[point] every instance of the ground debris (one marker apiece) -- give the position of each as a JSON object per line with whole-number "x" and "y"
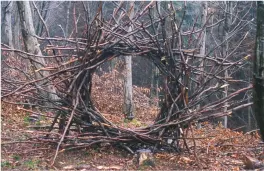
{"x": 109, "y": 167}
{"x": 217, "y": 149}
{"x": 77, "y": 167}
{"x": 145, "y": 157}
{"x": 252, "y": 163}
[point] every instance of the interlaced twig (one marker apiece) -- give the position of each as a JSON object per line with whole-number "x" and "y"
{"x": 108, "y": 38}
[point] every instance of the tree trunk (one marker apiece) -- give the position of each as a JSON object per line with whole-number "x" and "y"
{"x": 8, "y": 25}
{"x": 31, "y": 43}
{"x": 157, "y": 69}
{"x": 249, "y": 127}
{"x": 202, "y": 49}
{"x": 228, "y": 20}
{"x": 67, "y": 19}
{"x": 39, "y": 26}
{"x": 128, "y": 101}
{"x": 258, "y": 70}
{"x": 27, "y": 27}
{"x": 44, "y": 16}
{"x": 17, "y": 33}
{"x": 38, "y": 23}
{"x": 154, "y": 99}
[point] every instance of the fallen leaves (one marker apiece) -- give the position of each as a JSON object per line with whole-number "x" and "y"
{"x": 219, "y": 148}
{"x": 108, "y": 93}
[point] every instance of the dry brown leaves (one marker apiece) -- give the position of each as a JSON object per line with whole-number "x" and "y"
{"x": 217, "y": 148}
{"x": 108, "y": 95}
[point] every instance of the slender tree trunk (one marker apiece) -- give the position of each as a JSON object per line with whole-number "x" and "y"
{"x": 39, "y": 26}
{"x": 155, "y": 85}
{"x": 152, "y": 92}
{"x": 155, "y": 69}
{"x": 202, "y": 49}
{"x": 37, "y": 19}
{"x": 67, "y": 19}
{"x": 45, "y": 15}
{"x": 228, "y": 20}
{"x": 128, "y": 101}
{"x": 258, "y": 70}
{"x": 249, "y": 127}
{"x": 128, "y": 106}
{"x": 8, "y": 25}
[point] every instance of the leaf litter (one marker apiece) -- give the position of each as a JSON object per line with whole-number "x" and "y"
{"x": 217, "y": 148}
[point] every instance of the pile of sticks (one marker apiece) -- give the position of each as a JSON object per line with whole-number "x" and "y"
{"x": 64, "y": 84}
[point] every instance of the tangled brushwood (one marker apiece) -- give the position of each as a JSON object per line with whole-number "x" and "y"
{"x": 61, "y": 80}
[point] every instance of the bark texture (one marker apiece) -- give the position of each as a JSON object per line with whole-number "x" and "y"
{"x": 8, "y": 24}
{"x": 228, "y": 19}
{"x": 202, "y": 50}
{"x": 258, "y": 70}
{"x": 32, "y": 45}
{"x": 128, "y": 101}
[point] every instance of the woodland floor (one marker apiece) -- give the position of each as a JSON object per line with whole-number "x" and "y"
{"x": 215, "y": 148}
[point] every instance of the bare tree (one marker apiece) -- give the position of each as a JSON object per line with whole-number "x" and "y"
{"x": 43, "y": 12}
{"x": 226, "y": 39}
{"x": 228, "y": 18}
{"x": 128, "y": 91}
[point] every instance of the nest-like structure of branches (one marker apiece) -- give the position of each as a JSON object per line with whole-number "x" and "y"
{"x": 63, "y": 83}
